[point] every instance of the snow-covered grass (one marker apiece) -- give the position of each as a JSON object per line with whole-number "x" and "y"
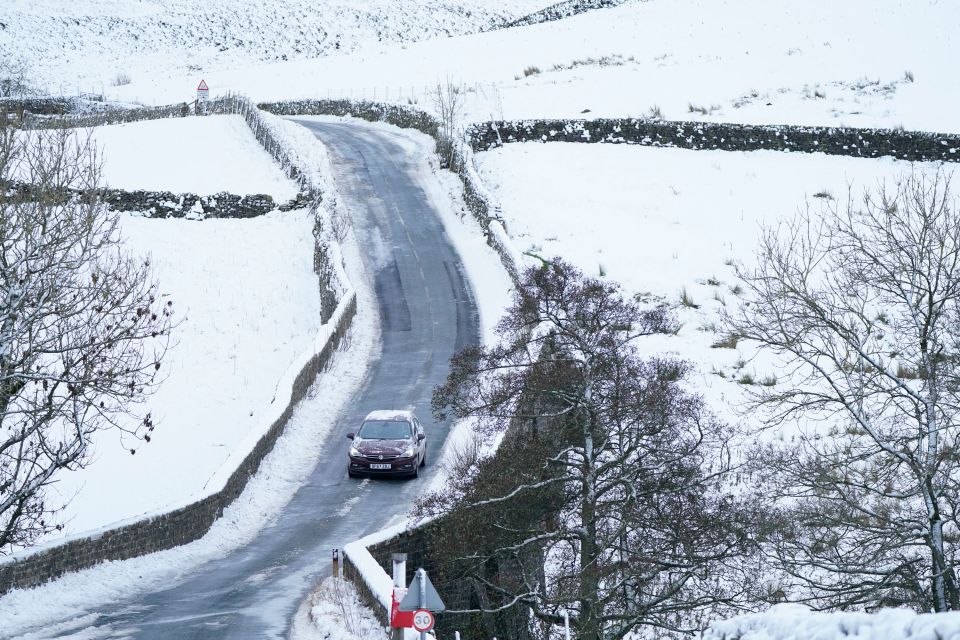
{"x": 194, "y": 155}
{"x": 667, "y": 224}
{"x": 338, "y": 613}
{"x": 92, "y": 44}
{"x": 856, "y": 63}
{"x": 248, "y": 305}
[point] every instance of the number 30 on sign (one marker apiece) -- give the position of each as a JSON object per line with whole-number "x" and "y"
{"x": 422, "y": 620}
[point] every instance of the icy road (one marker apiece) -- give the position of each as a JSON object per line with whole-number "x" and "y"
{"x": 427, "y": 312}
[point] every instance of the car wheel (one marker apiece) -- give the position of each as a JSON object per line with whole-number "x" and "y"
{"x": 423, "y": 462}
{"x": 351, "y": 474}
{"x": 416, "y": 472}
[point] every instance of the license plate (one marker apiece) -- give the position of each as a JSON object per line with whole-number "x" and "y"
{"x": 379, "y": 466}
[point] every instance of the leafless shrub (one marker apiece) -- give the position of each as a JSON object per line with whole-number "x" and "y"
{"x": 654, "y": 113}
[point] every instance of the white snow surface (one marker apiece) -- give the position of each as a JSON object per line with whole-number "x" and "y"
{"x": 248, "y": 306}
{"x": 664, "y": 222}
{"x": 796, "y": 622}
{"x": 84, "y": 45}
{"x": 337, "y": 613}
{"x": 193, "y": 155}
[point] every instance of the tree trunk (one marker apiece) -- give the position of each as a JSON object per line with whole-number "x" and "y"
{"x": 588, "y": 626}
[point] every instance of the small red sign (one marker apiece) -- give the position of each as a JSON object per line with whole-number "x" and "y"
{"x": 203, "y": 86}
{"x": 422, "y": 620}
{"x": 399, "y": 619}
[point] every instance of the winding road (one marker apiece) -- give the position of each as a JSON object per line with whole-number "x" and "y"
{"x": 427, "y": 312}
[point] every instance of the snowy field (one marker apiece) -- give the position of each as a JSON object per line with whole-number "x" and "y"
{"x": 86, "y": 45}
{"x": 245, "y": 317}
{"x": 192, "y": 155}
{"x": 664, "y": 222}
{"x": 247, "y": 300}
{"x": 855, "y": 63}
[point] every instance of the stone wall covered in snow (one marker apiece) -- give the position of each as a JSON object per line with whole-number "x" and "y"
{"x": 166, "y": 204}
{"x": 914, "y": 146}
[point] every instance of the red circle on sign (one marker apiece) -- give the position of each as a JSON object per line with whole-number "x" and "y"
{"x": 422, "y": 620}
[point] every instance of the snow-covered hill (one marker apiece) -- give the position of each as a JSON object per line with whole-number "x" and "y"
{"x": 85, "y": 44}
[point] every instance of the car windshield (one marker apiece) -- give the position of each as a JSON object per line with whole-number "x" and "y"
{"x": 385, "y": 430}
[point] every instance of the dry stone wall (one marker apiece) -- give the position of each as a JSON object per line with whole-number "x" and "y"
{"x": 859, "y": 143}
{"x": 563, "y": 10}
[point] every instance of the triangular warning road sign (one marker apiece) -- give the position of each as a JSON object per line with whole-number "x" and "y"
{"x": 203, "y": 86}
{"x": 431, "y": 600}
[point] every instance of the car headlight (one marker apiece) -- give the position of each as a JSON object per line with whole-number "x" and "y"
{"x": 354, "y": 452}
{"x": 408, "y": 452}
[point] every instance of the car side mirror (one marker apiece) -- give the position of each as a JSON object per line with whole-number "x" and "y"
{"x": 421, "y": 437}
{"x": 351, "y": 435}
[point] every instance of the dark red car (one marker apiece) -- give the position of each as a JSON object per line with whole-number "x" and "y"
{"x": 388, "y": 443}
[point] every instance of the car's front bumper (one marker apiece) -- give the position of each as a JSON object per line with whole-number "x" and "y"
{"x": 398, "y": 466}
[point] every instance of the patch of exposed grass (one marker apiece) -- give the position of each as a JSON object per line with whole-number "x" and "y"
{"x": 729, "y": 341}
{"x": 686, "y": 300}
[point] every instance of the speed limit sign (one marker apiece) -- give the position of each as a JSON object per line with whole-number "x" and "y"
{"x": 422, "y": 620}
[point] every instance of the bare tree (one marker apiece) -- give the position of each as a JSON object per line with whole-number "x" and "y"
{"x": 600, "y": 502}
{"x": 448, "y": 104}
{"x": 860, "y": 306}
{"x": 82, "y": 330}
{"x": 14, "y": 78}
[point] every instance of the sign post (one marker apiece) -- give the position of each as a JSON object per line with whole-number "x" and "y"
{"x": 422, "y": 599}
{"x": 203, "y": 94}
{"x": 423, "y": 620}
{"x": 399, "y": 620}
